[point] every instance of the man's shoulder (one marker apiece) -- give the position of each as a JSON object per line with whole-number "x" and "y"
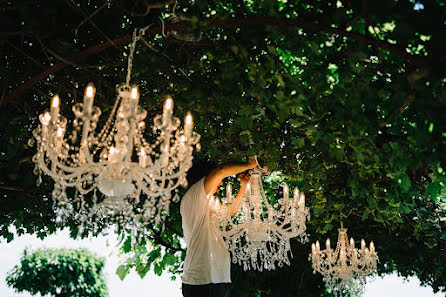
{"x": 196, "y": 189}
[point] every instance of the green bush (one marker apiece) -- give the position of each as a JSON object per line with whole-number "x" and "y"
{"x": 60, "y": 273}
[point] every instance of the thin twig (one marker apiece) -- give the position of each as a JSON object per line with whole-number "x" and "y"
{"x": 165, "y": 55}
{"x": 154, "y": 5}
{"x": 90, "y": 16}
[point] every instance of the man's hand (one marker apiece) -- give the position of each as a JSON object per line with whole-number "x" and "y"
{"x": 215, "y": 178}
{"x": 244, "y": 179}
{"x": 251, "y": 162}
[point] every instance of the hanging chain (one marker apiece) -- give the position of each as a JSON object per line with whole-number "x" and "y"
{"x": 137, "y": 34}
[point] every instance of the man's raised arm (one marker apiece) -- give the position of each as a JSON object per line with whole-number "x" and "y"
{"x": 215, "y": 178}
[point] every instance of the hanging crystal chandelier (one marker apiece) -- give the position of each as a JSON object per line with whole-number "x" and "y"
{"x": 259, "y": 235}
{"x": 344, "y": 268}
{"x": 135, "y": 177}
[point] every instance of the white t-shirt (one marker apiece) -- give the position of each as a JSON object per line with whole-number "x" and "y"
{"x": 207, "y": 260}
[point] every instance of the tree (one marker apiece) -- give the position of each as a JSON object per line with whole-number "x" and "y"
{"x": 345, "y": 98}
{"x": 60, "y": 273}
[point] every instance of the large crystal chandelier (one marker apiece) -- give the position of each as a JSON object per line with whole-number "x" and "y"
{"x": 135, "y": 177}
{"x": 258, "y": 236}
{"x": 344, "y": 268}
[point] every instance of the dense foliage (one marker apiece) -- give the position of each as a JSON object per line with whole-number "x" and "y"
{"x": 59, "y": 273}
{"x": 345, "y": 98}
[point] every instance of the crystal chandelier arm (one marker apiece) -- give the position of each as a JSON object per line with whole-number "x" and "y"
{"x": 46, "y": 148}
{"x": 322, "y": 264}
{"x": 75, "y": 178}
{"x": 85, "y": 133}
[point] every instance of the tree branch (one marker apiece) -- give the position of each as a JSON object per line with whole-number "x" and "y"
{"x": 155, "y": 5}
{"x": 252, "y": 21}
{"x": 159, "y": 240}
{"x": 90, "y": 16}
{"x": 412, "y": 78}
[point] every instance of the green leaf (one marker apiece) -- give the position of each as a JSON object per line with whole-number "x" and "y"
{"x": 122, "y": 271}
{"x": 404, "y": 181}
{"x": 298, "y": 142}
{"x": 169, "y": 259}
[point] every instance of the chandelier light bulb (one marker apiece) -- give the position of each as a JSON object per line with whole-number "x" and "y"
{"x": 59, "y": 132}
{"x": 142, "y": 158}
{"x": 286, "y": 193}
{"x": 229, "y": 192}
{"x": 327, "y": 244}
{"x": 167, "y": 111}
{"x": 296, "y": 194}
{"x": 90, "y": 90}
{"x": 45, "y": 119}
{"x": 55, "y": 101}
{"x": 352, "y": 242}
{"x": 135, "y": 93}
{"x": 301, "y": 199}
{"x": 55, "y": 106}
{"x": 188, "y": 125}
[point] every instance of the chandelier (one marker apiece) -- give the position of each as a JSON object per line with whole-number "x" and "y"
{"x": 123, "y": 175}
{"x": 258, "y": 236}
{"x": 344, "y": 268}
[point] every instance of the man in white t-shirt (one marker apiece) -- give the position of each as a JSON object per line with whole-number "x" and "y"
{"x": 207, "y": 265}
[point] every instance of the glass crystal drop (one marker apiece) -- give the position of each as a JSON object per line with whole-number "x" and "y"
{"x": 39, "y": 180}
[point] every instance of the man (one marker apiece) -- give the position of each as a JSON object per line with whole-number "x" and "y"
{"x": 207, "y": 265}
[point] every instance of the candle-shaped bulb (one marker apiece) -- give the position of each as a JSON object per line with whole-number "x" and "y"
{"x": 142, "y": 158}
{"x": 313, "y": 248}
{"x": 135, "y": 93}
{"x": 302, "y": 199}
{"x": 90, "y": 90}
{"x": 188, "y": 123}
{"x": 55, "y": 101}
{"x": 362, "y": 244}
{"x": 372, "y": 247}
{"x": 327, "y": 244}
{"x": 228, "y": 191}
{"x": 59, "y": 132}
{"x": 248, "y": 186}
{"x": 168, "y": 105}
{"x": 352, "y": 242}
{"x": 167, "y": 111}
{"x": 112, "y": 155}
{"x": 318, "y": 246}
{"x": 46, "y": 118}
{"x": 296, "y": 194}
{"x": 55, "y": 105}
{"x": 134, "y": 98}
{"x": 286, "y": 194}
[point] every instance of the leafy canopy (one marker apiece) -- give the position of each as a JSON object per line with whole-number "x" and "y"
{"x": 345, "y": 98}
